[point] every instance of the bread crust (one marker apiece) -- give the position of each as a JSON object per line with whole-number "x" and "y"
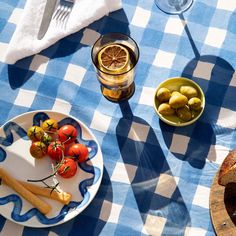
{"x": 228, "y": 163}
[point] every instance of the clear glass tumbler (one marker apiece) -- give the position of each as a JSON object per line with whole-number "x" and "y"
{"x": 115, "y": 56}
{"x": 173, "y": 6}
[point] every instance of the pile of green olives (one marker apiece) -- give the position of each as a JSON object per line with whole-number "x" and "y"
{"x": 184, "y": 103}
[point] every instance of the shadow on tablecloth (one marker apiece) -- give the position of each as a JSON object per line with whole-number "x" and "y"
{"x": 156, "y": 192}
{"x": 214, "y": 75}
{"x": 90, "y": 222}
{"x": 67, "y": 50}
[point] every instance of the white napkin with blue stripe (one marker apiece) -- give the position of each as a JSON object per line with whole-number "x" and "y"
{"x": 24, "y": 41}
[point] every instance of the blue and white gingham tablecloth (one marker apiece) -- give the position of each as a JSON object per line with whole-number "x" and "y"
{"x": 157, "y": 178}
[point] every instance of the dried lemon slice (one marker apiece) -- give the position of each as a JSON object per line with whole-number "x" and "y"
{"x": 113, "y": 58}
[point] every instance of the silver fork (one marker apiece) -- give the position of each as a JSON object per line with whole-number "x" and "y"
{"x": 63, "y": 11}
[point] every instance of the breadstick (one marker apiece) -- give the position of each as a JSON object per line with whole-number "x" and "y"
{"x": 42, "y": 206}
{"x": 62, "y": 197}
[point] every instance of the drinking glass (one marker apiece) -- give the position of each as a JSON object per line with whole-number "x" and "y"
{"x": 173, "y": 6}
{"x": 116, "y": 84}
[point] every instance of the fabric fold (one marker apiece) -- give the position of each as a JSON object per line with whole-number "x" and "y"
{"x": 24, "y": 41}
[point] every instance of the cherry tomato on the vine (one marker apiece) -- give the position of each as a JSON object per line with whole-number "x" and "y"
{"x": 50, "y": 125}
{"x": 67, "y": 134}
{"x": 78, "y": 151}
{"x": 35, "y": 133}
{"x": 55, "y": 150}
{"x": 38, "y": 149}
{"x": 46, "y": 139}
{"x": 68, "y": 168}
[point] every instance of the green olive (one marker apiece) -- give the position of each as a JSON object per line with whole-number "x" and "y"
{"x": 178, "y": 100}
{"x": 195, "y": 103}
{"x": 165, "y": 109}
{"x": 188, "y": 91}
{"x": 163, "y": 94}
{"x": 184, "y": 113}
{"x": 175, "y": 93}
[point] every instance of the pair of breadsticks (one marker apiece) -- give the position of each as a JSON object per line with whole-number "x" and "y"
{"x": 29, "y": 191}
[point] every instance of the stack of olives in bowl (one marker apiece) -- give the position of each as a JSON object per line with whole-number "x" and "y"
{"x": 179, "y": 101}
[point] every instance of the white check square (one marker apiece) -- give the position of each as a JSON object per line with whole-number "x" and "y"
{"x": 100, "y": 122}
{"x": 166, "y": 185}
{"x": 120, "y": 173}
{"x": 164, "y": 59}
{"x": 215, "y": 37}
{"x": 138, "y": 132}
{"x": 154, "y": 225}
{"x": 131, "y": 170}
{"x": 217, "y": 154}
{"x": 25, "y": 98}
{"x": 201, "y": 197}
{"x": 11, "y": 228}
{"x": 61, "y": 106}
{"x": 115, "y": 213}
{"x": 75, "y": 74}
{"x": 226, "y": 118}
{"x": 232, "y": 82}
{"x": 15, "y": 16}
{"x": 39, "y": 64}
{"x": 141, "y": 17}
{"x": 51, "y": 233}
{"x": 3, "y": 49}
{"x": 193, "y": 231}
{"x": 174, "y": 26}
{"x": 105, "y": 210}
{"x": 226, "y": 5}
{"x": 203, "y": 70}
{"x": 146, "y": 97}
{"x": 179, "y": 144}
{"x": 89, "y": 37}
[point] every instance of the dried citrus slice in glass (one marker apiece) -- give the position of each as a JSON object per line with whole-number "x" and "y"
{"x": 113, "y": 58}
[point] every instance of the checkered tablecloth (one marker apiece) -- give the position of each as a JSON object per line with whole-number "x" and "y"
{"x": 157, "y": 178}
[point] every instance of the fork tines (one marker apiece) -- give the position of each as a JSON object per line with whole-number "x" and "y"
{"x": 63, "y": 10}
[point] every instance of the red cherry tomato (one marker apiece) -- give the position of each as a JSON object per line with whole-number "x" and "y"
{"x": 78, "y": 151}
{"x": 68, "y": 168}
{"x": 67, "y": 134}
{"x": 38, "y": 149}
{"x": 55, "y": 150}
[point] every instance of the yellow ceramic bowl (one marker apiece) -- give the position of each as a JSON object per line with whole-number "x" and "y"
{"x": 174, "y": 84}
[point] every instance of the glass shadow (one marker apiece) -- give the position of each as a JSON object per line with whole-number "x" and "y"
{"x": 152, "y": 181}
{"x": 214, "y": 75}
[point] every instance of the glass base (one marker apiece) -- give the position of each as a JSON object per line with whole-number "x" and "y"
{"x": 173, "y": 6}
{"x": 118, "y": 95}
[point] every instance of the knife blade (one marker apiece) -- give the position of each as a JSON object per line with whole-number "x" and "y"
{"x": 47, "y": 16}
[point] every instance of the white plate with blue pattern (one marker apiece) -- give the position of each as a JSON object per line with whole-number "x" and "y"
{"x": 16, "y": 159}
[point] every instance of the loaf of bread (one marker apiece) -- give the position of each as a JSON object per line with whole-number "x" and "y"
{"x": 227, "y": 173}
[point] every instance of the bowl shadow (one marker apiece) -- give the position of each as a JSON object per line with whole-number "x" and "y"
{"x": 214, "y": 75}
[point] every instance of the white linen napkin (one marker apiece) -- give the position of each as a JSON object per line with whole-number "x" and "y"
{"x": 24, "y": 41}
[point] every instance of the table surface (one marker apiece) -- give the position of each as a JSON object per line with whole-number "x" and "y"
{"x": 157, "y": 178}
